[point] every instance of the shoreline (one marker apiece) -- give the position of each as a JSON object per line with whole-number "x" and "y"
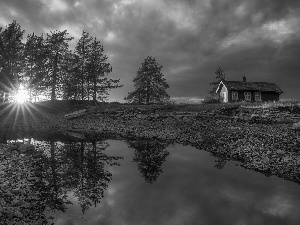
{"x": 260, "y": 142}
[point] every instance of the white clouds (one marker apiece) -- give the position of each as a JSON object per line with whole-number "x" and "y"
{"x": 110, "y": 36}
{"x": 257, "y": 17}
{"x": 96, "y": 22}
{"x": 185, "y": 16}
{"x": 127, "y": 2}
{"x": 179, "y": 69}
{"x": 244, "y": 38}
{"x": 182, "y": 16}
{"x": 56, "y": 5}
{"x": 4, "y": 22}
{"x": 77, "y": 4}
{"x": 278, "y": 31}
{"x": 13, "y": 12}
{"x": 241, "y": 10}
{"x": 275, "y": 31}
{"x": 73, "y": 30}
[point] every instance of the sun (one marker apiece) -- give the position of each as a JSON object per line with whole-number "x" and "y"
{"x": 21, "y": 96}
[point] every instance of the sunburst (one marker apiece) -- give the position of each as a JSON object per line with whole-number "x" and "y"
{"x": 19, "y": 113}
{"x": 21, "y": 96}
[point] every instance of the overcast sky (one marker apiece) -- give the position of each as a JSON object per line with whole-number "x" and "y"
{"x": 259, "y": 39}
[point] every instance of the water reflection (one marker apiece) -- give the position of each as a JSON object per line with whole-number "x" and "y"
{"x": 60, "y": 167}
{"x": 186, "y": 188}
{"x": 149, "y": 156}
{"x": 84, "y": 171}
{"x": 220, "y": 162}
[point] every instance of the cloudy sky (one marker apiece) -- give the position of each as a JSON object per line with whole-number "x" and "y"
{"x": 259, "y": 39}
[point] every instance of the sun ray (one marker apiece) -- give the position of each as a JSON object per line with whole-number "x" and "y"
{"x": 16, "y": 116}
{"x": 18, "y": 113}
{"x": 9, "y": 108}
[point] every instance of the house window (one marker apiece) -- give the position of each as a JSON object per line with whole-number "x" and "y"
{"x": 235, "y": 95}
{"x": 257, "y": 96}
{"x": 247, "y": 96}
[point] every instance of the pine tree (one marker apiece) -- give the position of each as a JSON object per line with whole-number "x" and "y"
{"x": 58, "y": 47}
{"x": 82, "y": 50}
{"x": 35, "y": 59}
{"x": 150, "y": 84}
{"x": 98, "y": 69}
{"x": 219, "y": 76}
{"x": 11, "y": 48}
{"x": 72, "y": 78}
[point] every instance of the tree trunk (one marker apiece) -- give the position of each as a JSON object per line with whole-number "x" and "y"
{"x": 82, "y": 72}
{"x": 82, "y": 82}
{"x": 30, "y": 89}
{"x": 95, "y": 89}
{"x": 54, "y": 79}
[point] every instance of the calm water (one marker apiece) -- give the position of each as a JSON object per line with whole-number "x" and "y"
{"x": 157, "y": 183}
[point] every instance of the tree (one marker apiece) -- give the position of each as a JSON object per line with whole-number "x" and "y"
{"x": 58, "y": 47}
{"x": 213, "y": 97}
{"x": 150, "y": 85}
{"x": 82, "y": 50}
{"x": 11, "y": 48}
{"x": 220, "y": 75}
{"x": 71, "y": 81}
{"x": 35, "y": 59}
{"x": 98, "y": 69}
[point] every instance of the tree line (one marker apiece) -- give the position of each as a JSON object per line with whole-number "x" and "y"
{"x": 45, "y": 66}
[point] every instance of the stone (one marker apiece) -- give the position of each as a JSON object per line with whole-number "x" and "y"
{"x": 296, "y": 126}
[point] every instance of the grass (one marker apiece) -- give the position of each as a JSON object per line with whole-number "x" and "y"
{"x": 67, "y": 106}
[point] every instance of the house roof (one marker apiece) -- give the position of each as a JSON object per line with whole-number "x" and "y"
{"x": 250, "y": 86}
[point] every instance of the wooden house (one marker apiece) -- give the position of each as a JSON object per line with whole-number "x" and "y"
{"x": 232, "y": 91}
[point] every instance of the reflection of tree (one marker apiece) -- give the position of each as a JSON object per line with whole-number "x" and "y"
{"x": 31, "y": 186}
{"x": 149, "y": 156}
{"x": 85, "y": 171}
{"x": 55, "y": 168}
{"x": 49, "y": 169}
{"x": 220, "y": 162}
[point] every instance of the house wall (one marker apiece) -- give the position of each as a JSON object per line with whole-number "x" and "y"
{"x": 241, "y": 96}
{"x": 269, "y": 96}
{"x": 224, "y": 91}
{"x": 265, "y": 96}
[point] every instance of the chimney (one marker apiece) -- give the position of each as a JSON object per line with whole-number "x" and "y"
{"x": 244, "y": 79}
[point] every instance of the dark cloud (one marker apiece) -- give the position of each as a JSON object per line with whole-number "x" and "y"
{"x": 189, "y": 38}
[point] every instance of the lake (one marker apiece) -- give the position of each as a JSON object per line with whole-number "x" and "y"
{"x": 150, "y": 182}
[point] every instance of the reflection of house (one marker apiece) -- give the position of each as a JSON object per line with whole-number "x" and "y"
{"x": 232, "y": 91}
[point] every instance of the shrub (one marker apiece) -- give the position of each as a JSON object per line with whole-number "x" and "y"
{"x": 212, "y": 100}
